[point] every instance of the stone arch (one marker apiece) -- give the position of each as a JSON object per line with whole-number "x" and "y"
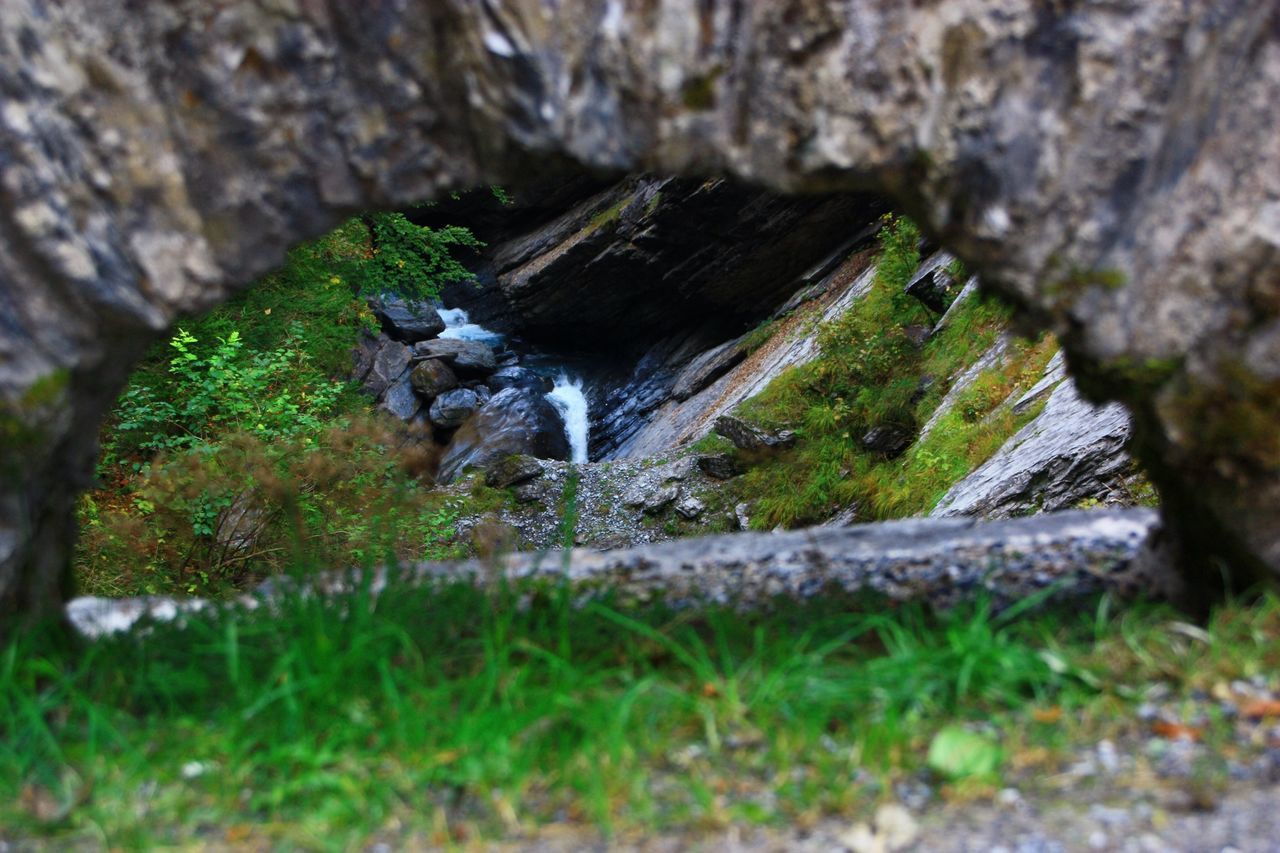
{"x": 1112, "y": 167}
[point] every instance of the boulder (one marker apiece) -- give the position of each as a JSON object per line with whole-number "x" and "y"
{"x": 721, "y": 466}
{"x": 512, "y": 422}
{"x": 467, "y": 358}
{"x": 520, "y": 377}
{"x": 388, "y": 364}
{"x": 690, "y": 508}
{"x": 432, "y": 377}
{"x": 405, "y": 321}
{"x": 512, "y": 470}
{"x": 934, "y": 288}
{"x": 749, "y": 437}
{"x": 888, "y": 440}
{"x": 451, "y": 408}
{"x": 399, "y": 399}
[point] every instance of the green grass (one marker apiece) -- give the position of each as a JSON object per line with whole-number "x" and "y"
{"x": 868, "y": 374}
{"x": 443, "y": 714}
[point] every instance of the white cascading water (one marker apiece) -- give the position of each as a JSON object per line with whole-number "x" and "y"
{"x": 458, "y": 325}
{"x": 567, "y": 396}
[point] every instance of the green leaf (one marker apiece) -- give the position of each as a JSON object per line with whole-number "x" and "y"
{"x": 957, "y": 753}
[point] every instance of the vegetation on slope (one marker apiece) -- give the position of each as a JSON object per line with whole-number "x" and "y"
{"x": 869, "y": 374}
{"x": 239, "y": 444}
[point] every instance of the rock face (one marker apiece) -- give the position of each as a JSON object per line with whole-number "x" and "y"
{"x": 668, "y": 250}
{"x": 1111, "y": 167}
{"x": 1072, "y": 450}
{"x": 513, "y": 422}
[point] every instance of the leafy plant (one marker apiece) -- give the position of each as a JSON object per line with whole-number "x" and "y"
{"x": 412, "y": 261}
{"x": 222, "y": 389}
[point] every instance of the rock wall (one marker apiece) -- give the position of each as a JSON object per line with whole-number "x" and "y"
{"x": 1112, "y": 166}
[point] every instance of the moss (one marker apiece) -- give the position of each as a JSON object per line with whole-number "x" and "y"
{"x": 1076, "y": 280}
{"x": 608, "y": 216}
{"x": 700, "y": 93}
{"x": 1237, "y": 418}
{"x": 652, "y": 205}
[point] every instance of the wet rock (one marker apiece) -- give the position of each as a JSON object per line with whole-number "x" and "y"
{"x": 405, "y": 321}
{"x": 917, "y": 334}
{"x": 747, "y": 436}
{"x": 721, "y": 466}
{"x": 520, "y": 377}
{"x": 889, "y": 441}
{"x": 451, "y": 408}
{"x": 467, "y": 358}
{"x": 431, "y": 378}
{"x": 1072, "y": 450}
{"x": 389, "y": 362}
{"x": 512, "y": 470}
{"x": 399, "y": 399}
{"x": 512, "y": 422}
{"x": 741, "y": 514}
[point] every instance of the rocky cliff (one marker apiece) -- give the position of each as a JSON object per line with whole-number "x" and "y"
{"x": 1110, "y": 166}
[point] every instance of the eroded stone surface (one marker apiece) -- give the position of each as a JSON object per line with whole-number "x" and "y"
{"x": 1111, "y": 166}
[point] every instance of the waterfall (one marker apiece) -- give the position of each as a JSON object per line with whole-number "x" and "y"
{"x": 458, "y": 325}
{"x": 567, "y": 396}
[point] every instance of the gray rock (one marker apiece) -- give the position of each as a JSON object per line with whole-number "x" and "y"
{"x": 452, "y": 408}
{"x": 721, "y": 466}
{"x": 656, "y": 501}
{"x": 520, "y": 377}
{"x": 932, "y": 285}
{"x": 431, "y": 378}
{"x": 389, "y": 363}
{"x": 512, "y": 470}
{"x": 1070, "y": 452}
{"x": 747, "y": 436}
{"x": 512, "y": 422}
{"x": 690, "y": 508}
{"x": 888, "y": 440}
{"x": 706, "y": 368}
{"x": 407, "y": 322}
{"x": 399, "y": 399}
{"x": 467, "y": 358}
{"x": 1068, "y": 151}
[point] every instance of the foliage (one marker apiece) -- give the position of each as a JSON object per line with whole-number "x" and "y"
{"x": 413, "y": 261}
{"x": 219, "y": 517}
{"x": 868, "y": 374}
{"x": 442, "y": 714}
{"x": 224, "y": 389}
{"x": 265, "y": 450}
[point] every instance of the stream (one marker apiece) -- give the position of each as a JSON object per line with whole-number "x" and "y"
{"x": 567, "y": 393}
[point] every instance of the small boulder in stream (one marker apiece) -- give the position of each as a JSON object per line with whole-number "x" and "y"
{"x": 432, "y": 377}
{"x": 406, "y": 321}
{"x": 451, "y": 408}
{"x": 466, "y": 358}
{"x": 520, "y": 377}
{"x": 514, "y": 421}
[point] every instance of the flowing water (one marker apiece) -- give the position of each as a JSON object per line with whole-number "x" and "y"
{"x": 567, "y": 395}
